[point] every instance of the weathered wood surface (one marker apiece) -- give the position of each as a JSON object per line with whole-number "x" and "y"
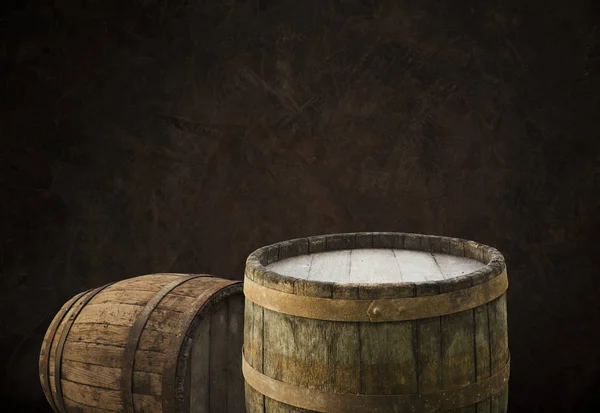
{"x": 235, "y": 380}
{"x": 392, "y": 358}
{"x": 92, "y": 359}
{"x": 375, "y": 266}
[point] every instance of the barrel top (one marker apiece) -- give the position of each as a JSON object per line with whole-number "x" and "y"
{"x": 338, "y": 264}
{"x": 375, "y": 266}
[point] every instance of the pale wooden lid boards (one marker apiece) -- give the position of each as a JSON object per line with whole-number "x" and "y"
{"x": 376, "y": 266}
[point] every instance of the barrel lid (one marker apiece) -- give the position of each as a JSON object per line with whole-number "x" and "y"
{"x": 400, "y": 262}
{"x": 375, "y": 266}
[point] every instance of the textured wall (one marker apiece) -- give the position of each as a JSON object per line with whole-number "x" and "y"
{"x": 176, "y": 136}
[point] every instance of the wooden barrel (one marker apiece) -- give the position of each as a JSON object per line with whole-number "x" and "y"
{"x": 156, "y": 343}
{"x": 376, "y": 322}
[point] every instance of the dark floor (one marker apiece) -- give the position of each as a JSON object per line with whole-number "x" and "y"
{"x": 153, "y": 136}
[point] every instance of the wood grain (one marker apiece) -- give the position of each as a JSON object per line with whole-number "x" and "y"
{"x": 253, "y": 347}
{"x": 499, "y": 347}
{"x": 388, "y": 354}
{"x": 92, "y": 363}
{"x": 219, "y": 342}
{"x": 235, "y": 331}
{"x": 375, "y": 266}
{"x": 458, "y": 340}
{"x": 200, "y": 369}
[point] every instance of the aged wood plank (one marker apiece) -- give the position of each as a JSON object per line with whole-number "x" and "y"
{"x": 374, "y": 266}
{"x": 59, "y": 331}
{"x": 151, "y": 340}
{"x": 115, "y": 314}
{"x": 164, "y": 321}
{"x": 331, "y": 266}
{"x": 200, "y": 368}
{"x": 482, "y": 348}
{"x": 185, "y": 375}
{"x": 145, "y": 383}
{"x": 111, "y": 356}
{"x": 429, "y": 343}
{"x": 93, "y": 396}
{"x": 293, "y": 248}
{"x": 85, "y": 373}
{"x": 189, "y": 289}
{"x": 52, "y": 381}
{"x": 387, "y": 351}
{"x": 500, "y": 402}
{"x": 452, "y": 266}
{"x": 295, "y": 351}
{"x": 337, "y": 242}
{"x": 428, "y": 331}
{"x": 152, "y": 282}
{"x": 147, "y": 404}
{"x": 126, "y": 314}
{"x": 219, "y": 341}
{"x": 499, "y": 347}
{"x": 93, "y": 399}
{"x": 416, "y": 266}
{"x": 297, "y": 267}
{"x": 458, "y": 342}
{"x": 498, "y": 332}
{"x": 93, "y": 362}
{"x": 253, "y": 347}
{"x": 51, "y": 348}
{"x": 285, "y": 335}
{"x": 343, "y": 350}
{"x": 278, "y": 342}
{"x": 363, "y": 240}
{"x": 413, "y": 242}
{"x": 195, "y": 287}
{"x": 235, "y": 381}
{"x": 386, "y": 240}
{"x": 74, "y": 406}
{"x": 178, "y": 303}
{"x": 317, "y": 244}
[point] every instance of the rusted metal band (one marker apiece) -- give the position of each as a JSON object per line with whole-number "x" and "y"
{"x": 134, "y": 338}
{"x": 171, "y": 399}
{"x": 61, "y": 345}
{"x": 328, "y": 402}
{"x": 376, "y": 311}
{"x": 44, "y": 363}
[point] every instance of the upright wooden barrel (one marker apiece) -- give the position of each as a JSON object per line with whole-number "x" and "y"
{"x": 376, "y": 322}
{"x": 160, "y": 343}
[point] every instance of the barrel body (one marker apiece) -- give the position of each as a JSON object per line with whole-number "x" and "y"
{"x": 159, "y": 343}
{"x": 327, "y": 343}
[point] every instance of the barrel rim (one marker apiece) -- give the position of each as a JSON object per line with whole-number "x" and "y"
{"x": 256, "y": 262}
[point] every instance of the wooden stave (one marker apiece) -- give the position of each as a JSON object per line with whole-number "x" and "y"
{"x": 58, "y": 357}
{"x": 179, "y": 364}
{"x": 256, "y": 272}
{"x": 44, "y": 359}
{"x": 225, "y": 289}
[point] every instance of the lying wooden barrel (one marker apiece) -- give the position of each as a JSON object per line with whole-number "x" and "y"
{"x": 376, "y": 322}
{"x": 159, "y": 343}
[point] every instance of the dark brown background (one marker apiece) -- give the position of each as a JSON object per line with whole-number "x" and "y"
{"x": 148, "y": 136}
